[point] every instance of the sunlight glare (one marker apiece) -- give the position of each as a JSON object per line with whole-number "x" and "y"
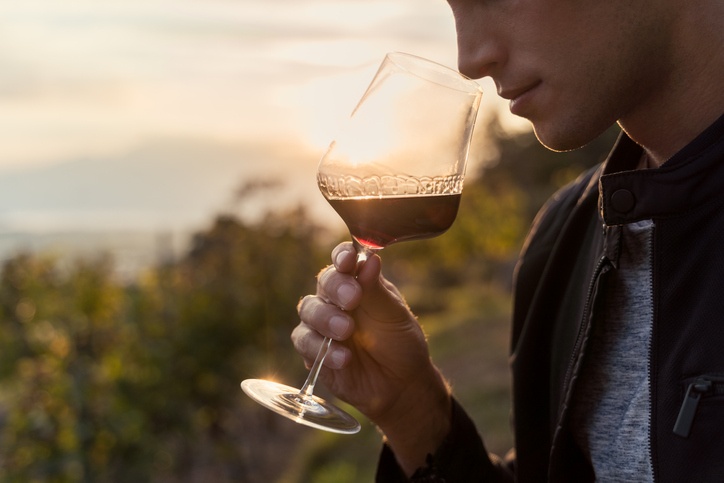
{"x": 324, "y": 103}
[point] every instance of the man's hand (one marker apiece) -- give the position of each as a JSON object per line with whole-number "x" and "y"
{"x": 379, "y": 360}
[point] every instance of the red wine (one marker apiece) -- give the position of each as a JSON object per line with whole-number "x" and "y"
{"x": 378, "y": 222}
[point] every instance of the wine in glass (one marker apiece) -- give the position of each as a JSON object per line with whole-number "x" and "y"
{"x": 394, "y": 173}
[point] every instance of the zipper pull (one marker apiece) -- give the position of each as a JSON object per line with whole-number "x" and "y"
{"x": 684, "y": 421}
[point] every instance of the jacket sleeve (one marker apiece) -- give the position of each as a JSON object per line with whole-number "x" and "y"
{"x": 462, "y": 457}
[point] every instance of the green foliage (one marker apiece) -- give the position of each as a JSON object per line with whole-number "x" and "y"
{"x": 62, "y": 354}
{"x": 103, "y": 381}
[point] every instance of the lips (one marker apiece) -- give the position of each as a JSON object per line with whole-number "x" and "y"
{"x": 519, "y": 97}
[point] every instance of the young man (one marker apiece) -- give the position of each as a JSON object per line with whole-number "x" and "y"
{"x": 617, "y": 360}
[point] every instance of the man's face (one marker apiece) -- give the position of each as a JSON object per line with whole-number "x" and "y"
{"x": 571, "y": 67}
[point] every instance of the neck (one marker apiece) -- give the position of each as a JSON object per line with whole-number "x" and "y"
{"x": 690, "y": 97}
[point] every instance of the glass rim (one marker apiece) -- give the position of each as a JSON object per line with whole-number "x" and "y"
{"x": 434, "y": 72}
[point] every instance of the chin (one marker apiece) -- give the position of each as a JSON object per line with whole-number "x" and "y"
{"x": 561, "y": 147}
{"x": 561, "y": 138}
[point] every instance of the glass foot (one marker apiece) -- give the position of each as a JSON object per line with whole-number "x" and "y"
{"x": 308, "y": 410}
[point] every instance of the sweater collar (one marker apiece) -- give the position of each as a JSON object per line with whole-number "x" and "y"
{"x": 692, "y": 176}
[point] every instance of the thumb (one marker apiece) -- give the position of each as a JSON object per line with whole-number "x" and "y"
{"x": 380, "y": 298}
{"x": 370, "y": 272}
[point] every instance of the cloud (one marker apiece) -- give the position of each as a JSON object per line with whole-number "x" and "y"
{"x": 224, "y": 87}
{"x": 90, "y": 78}
{"x": 164, "y": 183}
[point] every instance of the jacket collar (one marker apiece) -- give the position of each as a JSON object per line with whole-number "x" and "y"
{"x": 691, "y": 177}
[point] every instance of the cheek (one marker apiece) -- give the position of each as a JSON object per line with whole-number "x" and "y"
{"x": 582, "y": 94}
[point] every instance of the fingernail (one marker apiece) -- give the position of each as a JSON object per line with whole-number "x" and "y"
{"x": 339, "y": 326}
{"x": 337, "y": 358}
{"x": 345, "y": 293}
{"x": 341, "y": 256}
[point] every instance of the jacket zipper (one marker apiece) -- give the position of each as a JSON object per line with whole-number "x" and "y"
{"x": 597, "y": 271}
{"x": 649, "y": 361}
{"x": 707, "y": 385}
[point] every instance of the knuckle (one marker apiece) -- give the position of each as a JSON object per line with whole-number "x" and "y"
{"x": 301, "y": 336}
{"x": 324, "y": 273}
{"x": 310, "y": 344}
{"x": 304, "y": 302}
{"x": 309, "y": 309}
{"x": 294, "y": 336}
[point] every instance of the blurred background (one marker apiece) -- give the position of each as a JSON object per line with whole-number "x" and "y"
{"x": 159, "y": 221}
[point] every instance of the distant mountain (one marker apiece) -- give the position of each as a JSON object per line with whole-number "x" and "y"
{"x": 162, "y": 185}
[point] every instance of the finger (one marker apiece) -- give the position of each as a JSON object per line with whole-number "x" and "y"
{"x": 307, "y": 343}
{"x": 325, "y": 318}
{"x": 344, "y": 257}
{"x": 340, "y": 289}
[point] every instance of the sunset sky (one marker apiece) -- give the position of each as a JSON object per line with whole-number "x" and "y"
{"x": 86, "y": 79}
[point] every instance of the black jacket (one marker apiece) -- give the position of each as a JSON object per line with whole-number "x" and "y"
{"x": 573, "y": 245}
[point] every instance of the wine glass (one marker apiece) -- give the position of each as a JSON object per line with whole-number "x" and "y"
{"x": 394, "y": 173}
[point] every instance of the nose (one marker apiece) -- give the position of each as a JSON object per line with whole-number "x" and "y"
{"x": 479, "y": 50}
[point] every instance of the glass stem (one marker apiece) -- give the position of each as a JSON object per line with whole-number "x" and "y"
{"x": 307, "y": 389}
